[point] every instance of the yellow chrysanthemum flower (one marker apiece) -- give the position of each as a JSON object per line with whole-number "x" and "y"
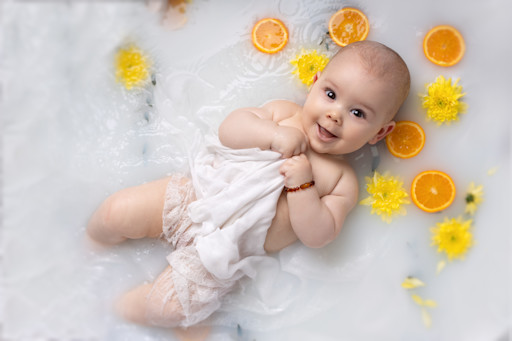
{"x": 453, "y": 236}
{"x": 132, "y": 67}
{"x": 308, "y": 64}
{"x": 387, "y": 196}
{"x": 443, "y": 101}
{"x": 474, "y": 197}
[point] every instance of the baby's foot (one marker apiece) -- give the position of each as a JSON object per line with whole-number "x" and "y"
{"x": 174, "y": 17}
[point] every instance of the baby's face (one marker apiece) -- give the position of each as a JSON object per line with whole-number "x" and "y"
{"x": 347, "y": 107}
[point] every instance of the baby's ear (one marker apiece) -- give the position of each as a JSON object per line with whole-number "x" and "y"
{"x": 315, "y": 78}
{"x": 385, "y": 130}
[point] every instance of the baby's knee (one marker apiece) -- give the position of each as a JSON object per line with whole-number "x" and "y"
{"x": 164, "y": 312}
{"x": 143, "y": 305}
{"x": 111, "y": 211}
{"x": 106, "y": 224}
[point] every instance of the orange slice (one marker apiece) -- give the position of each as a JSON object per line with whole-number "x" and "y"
{"x": 406, "y": 140}
{"x": 432, "y": 191}
{"x": 269, "y": 35}
{"x": 443, "y": 45}
{"x": 348, "y": 25}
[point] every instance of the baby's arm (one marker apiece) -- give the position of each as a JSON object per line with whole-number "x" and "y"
{"x": 259, "y": 128}
{"x": 317, "y": 220}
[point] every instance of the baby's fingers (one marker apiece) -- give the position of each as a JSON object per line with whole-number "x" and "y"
{"x": 287, "y": 155}
{"x": 283, "y": 169}
{"x": 300, "y": 149}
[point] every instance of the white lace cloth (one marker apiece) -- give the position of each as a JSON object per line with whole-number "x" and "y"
{"x": 237, "y": 192}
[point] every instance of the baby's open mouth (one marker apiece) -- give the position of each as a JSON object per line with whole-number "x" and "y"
{"x": 325, "y": 134}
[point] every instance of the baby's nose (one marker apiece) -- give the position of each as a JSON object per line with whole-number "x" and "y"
{"x": 335, "y": 117}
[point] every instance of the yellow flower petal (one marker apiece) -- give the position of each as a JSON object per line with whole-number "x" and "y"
{"x": 417, "y": 299}
{"x": 440, "y": 266}
{"x": 470, "y": 208}
{"x": 429, "y": 303}
{"x": 425, "y": 317}
{"x": 492, "y": 171}
{"x": 367, "y": 201}
{"x": 411, "y": 283}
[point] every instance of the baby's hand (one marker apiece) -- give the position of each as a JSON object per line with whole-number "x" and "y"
{"x": 296, "y": 171}
{"x": 288, "y": 141}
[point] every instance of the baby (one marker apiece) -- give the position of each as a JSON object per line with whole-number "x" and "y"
{"x": 219, "y": 225}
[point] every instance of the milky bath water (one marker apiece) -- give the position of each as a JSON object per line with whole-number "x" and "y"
{"x": 72, "y": 135}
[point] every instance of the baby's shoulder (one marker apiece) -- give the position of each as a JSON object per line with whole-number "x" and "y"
{"x": 282, "y": 109}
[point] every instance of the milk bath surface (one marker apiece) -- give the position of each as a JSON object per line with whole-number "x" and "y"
{"x": 72, "y": 135}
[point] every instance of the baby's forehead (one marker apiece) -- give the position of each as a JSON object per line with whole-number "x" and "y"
{"x": 381, "y": 62}
{"x": 360, "y": 64}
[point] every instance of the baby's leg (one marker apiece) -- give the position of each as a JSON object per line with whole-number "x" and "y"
{"x": 137, "y": 212}
{"x": 153, "y": 303}
{"x": 131, "y": 213}
{"x": 157, "y": 304}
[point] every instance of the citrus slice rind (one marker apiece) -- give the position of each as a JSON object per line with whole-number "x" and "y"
{"x": 443, "y": 45}
{"x": 406, "y": 140}
{"x": 348, "y": 25}
{"x": 432, "y": 191}
{"x": 269, "y": 35}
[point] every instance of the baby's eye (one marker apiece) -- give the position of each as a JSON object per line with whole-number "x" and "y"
{"x": 330, "y": 94}
{"x": 357, "y": 113}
